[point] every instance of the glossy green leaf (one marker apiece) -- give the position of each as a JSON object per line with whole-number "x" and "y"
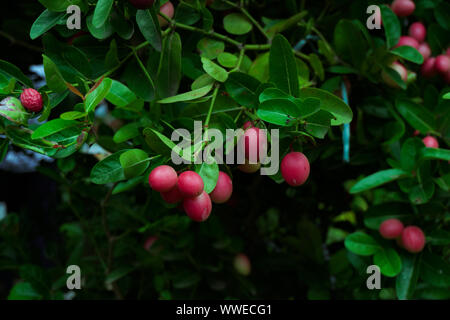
{"x": 391, "y": 25}
{"x": 55, "y": 80}
{"x": 11, "y": 71}
{"x": 209, "y": 174}
{"x": 169, "y": 75}
{"x": 417, "y": 116}
{"x": 101, "y": 33}
{"x": 52, "y": 127}
{"x": 188, "y": 96}
{"x": 408, "y": 53}
{"x": 361, "y": 244}
{"x": 94, "y": 98}
{"x": 127, "y": 132}
{"x": 134, "y": 162}
{"x": 108, "y": 170}
{"x": 377, "y": 179}
{"x": 237, "y": 24}
{"x": 388, "y": 261}
{"x": 210, "y": 48}
{"x": 120, "y": 95}
{"x": 101, "y": 12}
{"x": 281, "y": 112}
{"x": 243, "y": 88}
{"x": 47, "y": 20}
{"x": 406, "y": 281}
{"x": 147, "y": 22}
{"x": 214, "y": 70}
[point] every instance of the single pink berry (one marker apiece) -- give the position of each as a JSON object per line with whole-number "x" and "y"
{"x": 295, "y": 168}
{"x": 428, "y": 69}
{"x": 391, "y": 228}
{"x": 418, "y": 31}
{"x": 242, "y": 264}
{"x": 407, "y": 41}
{"x": 424, "y": 50}
{"x": 255, "y": 142}
{"x": 247, "y": 125}
{"x": 190, "y": 184}
{"x": 403, "y": 8}
{"x": 149, "y": 242}
{"x": 413, "y": 239}
{"x": 31, "y": 99}
{"x": 198, "y": 208}
{"x": 430, "y": 142}
{"x": 442, "y": 63}
{"x": 162, "y": 178}
{"x": 223, "y": 190}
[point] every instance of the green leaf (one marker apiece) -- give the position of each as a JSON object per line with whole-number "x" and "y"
{"x": 377, "y": 179}
{"x": 446, "y": 96}
{"x": 55, "y": 80}
{"x": 214, "y": 70}
{"x": 442, "y": 15}
{"x": 317, "y": 65}
{"x": 47, "y": 20}
{"x": 260, "y": 67}
{"x": 389, "y": 262}
{"x": 101, "y": 12}
{"x": 405, "y": 283}
{"x": 128, "y": 185}
{"x": 408, "y": 53}
{"x": 391, "y": 24}
{"x": 73, "y": 115}
{"x": 188, "y": 96}
{"x": 118, "y": 274}
{"x": 169, "y": 75}
{"x": 138, "y": 82}
{"x": 350, "y": 43}
{"x": 243, "y": 88}
{"x": 286, "y": 23}
{"x": 361, "y": 244}
{"x": 331, "y": 103}
{"x": 11, "y": 71}
{"x": 410, "y": 152}
{"x": 283, "y": 69}
{"x": 318, "y": 123}
{"x": 120, "y": 95}
{"x": 108, "y": 170}
{"x": 127, "y": 132}
{"x": 134, "y": 162}
{"x": 278, "y": 111}
{"x": 210, "y": 48}
{"x": 24, "y": 291}
{"x": 101, "y": 33}
{"x": 237, "y": 24}
{"x": 170, "y": 145}
{"x": 435, "y": 270}
{"x": 149, "y": 25}
{"x": 52, "y": 127}
{"x": 435, "y": 153}
{"x": 94, "y": 98}
{"x": 417, "y": 116}
{"x": 227, "y": 60}
{"x": 59, "y": 5}
{"x": 209, "y": 174}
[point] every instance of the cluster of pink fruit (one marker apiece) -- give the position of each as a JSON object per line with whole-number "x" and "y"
{"x": 410, "y": 238}
{"x": 188, "y": 187}
{"x": 417, "y": 32}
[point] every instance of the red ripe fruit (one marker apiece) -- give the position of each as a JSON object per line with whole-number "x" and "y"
{"x": 295, "y": 168}
{"x": 247, "y": 125}
{"x": 162, "y": 178}
{"x": 413, "y": 239}
{"x": 424, "y": 50}
{"x": 198, "y": 208}
{"x": 407, "y": 41}
{"x": 447, "y": 52}
{"x": 172, "y": 196}
{"x": 391, "y": 228}
{"x": 190, "y": 184}
{"x": 418, "y": 31}
{"x": 242, "y": 264}
{"x": 168, "y": 10}
{"x": 254, "y": 141}
{"x": 428, "y": 69}
{"x": 430, "y": 142}
{"x": 403, "y": 8}
{"x": 31, "y": 99}
{"x": 142, "y": 4}
{"x": 442, "y": 64}
{"x": 223, "y": 190}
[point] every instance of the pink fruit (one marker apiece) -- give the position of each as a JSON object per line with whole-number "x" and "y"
{"x": 407, "y": 41}
{"x": 428, "y": 68}
{"x": 168, "y": 10}
{"x": 173, "y": 195}
{"x": 442, "y": 64}
{"x": 400, "y": 69}
{"x": 31, "y": 99}
{"x": 413, "y": 239}
{"x": 418, "y": 31}
{"x": 447, "y": 52}
{"x": 255, "y": 141}
{"x": 247, "y": 125}
{"x": 424, "y": 50}
{"x": 403, "y": 8}
{"x": 149, "y": 242}
{"x": 295, "y": 168}
{"x": 430, "y": 142}
{"x": 162, "y": 178}
{"x": 198, "y": 208}
{"x": 242, "y": 264}
{"x": 190, "y": 184}
{"x": 223, "y": 190}
{"x": 391, "y": 228}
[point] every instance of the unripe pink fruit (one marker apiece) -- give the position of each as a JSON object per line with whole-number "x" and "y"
{"x": 173, "y": 195}
{"x": 430, "y": 142}
{"x": 223, "y": 190}
{"x": 424, "y": 50}
{"x": 403, "y": 8}
{"x": 401, "y": 70}
{"x": 428, "y": 69}
{"x": 190, "y": 184}
{"x": 407, "y": 41}
{"x": 295, "y": 168}
{"x": 413, "y": 239}
{"x": 255, "y": 141}
{"x": 418, "y": 31}
{"x": 391, "y": 228}
{"x": 142, "y": 4}
{"x": 149, "y": 242}
{"x": 162, "y": 178}
{"x": 242, "y": 264}
{"x": 198, "y": 208}
{"x": 442, "y": 64}
{"x": 168, "y": 10}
